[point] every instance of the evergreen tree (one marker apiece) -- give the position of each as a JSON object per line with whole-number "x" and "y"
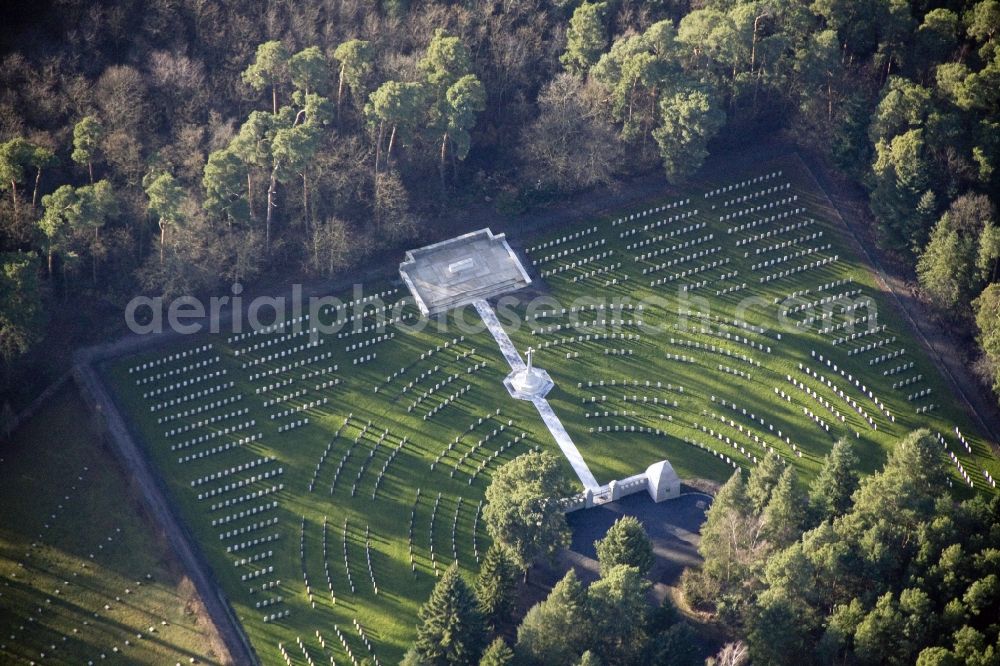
{"x": 625, "y": 543}
{"x": 555, "y": 630}
{"x": 618, "y": 614}
{"x": 831, "y": 491}
{"x": 688, "y": 121}
{"x": 451, "y": 631}
{"x": 498, "y": 653}
{"x": 586, "y": 38}
{"x": 784, "y": 516}
{"x": 763, "y": 478}
{"x": 730, "y": 537}
{"x": 496, "y": 586}
{"x": 588, "y": 658}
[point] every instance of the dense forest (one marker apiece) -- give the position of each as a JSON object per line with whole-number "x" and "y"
{"x": 174, "y": 147}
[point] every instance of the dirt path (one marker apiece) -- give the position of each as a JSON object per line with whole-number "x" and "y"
{"x": 154, "y": 496}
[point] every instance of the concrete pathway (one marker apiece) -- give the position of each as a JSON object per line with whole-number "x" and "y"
{"x": 507, "y": 347}
{"x": 552, "y": 421}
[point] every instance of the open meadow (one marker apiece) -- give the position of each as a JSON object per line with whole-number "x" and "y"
{"x": 83, "y": 577}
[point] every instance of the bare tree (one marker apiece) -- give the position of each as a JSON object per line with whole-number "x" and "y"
{"x": 570, "y": 145}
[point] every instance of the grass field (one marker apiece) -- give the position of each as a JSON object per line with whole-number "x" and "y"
{"x": 81, "y": 574}
{"x": 399, "y": 493}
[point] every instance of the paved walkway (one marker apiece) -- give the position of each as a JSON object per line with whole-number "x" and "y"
{"x": 552, "y": 421}
{"x": 507, "y": 347}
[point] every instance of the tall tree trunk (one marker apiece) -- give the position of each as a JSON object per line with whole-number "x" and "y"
{"x": 250, "y": 195}
{"x": 272, "y": 188}
{"x": 163, "y": 236}
{"x": 97, "y": 240}
{"x": 51, "y": 260}
{"x": 378, "y": 145}
{"x": 340, "y": 93}
{"x": 829, "y": 99}
{"x": 90, "y": 170}
{"x": 388, "y": 151}
{"x": 444, "y": 153}
{"x": 13, "y": 194}
{"x": 274, "y": 97}
{"x": 34, "y": 194}
{"x": 305, "y": 200}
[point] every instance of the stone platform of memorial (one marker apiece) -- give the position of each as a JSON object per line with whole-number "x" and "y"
{"x": 462, "y": 270}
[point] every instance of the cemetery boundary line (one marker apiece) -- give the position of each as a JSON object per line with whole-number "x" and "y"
{"x": 25, "y": 414}
{"x": 114, "y": 427}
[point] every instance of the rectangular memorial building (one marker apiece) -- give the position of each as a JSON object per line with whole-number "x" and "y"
{"x": 461, "y": 270}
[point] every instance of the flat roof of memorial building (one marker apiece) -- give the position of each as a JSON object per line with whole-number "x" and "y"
{"x": 461, "y": 270}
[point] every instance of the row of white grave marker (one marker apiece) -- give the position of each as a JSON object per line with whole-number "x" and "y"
{"x": 757, "y": 194}
{"x": 201, "y": 393}
{"x": 215, "y": 418}
{"x": 169, "y": 358}
{"x": 650, "y": 211}
{"x": 682, "y": 246}
{"x": 659, "y": 223}
{"x": 216, "y": 450}
{"x": 280, "y": 384}
{"x": 242, "y": 483}
{"x": 201, "y": 409}
{"x": 569, "y": 251}
{"x": 743, "y": 183}
{"x": 774, "y": 233}
{"x": 312, "y": 404}
{"x": 173, "y": 372}
{"x": 563, "y": 239}
{"x": 230, "y": 471}
{"x": 277, "y": 340}
{"x": 798, "y": 269}
{"x": 280, "y": 326}
{"x": 761, "y": 221}
{"x": 373, "y": 341}
{"x": 207, "y": 437}
{"x": 689, "y": 272}
{"x": 857, "y": 335}
{"x": 586, "y": 325}
{"x": 293, "y": 424}
{"x": 665, "y": 236}
{"x": 834, "y": 299}
{"x": 562, "y": 268}
{"x": 287, "y": 353}
{"x": 768, "y": 206}
{"x": 603, "y": 270}
{"x": 785, "y": 258}
{"x": 185, "y": 383}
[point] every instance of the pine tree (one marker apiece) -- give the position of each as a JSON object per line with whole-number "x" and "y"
{"x": 729, "y": 537}
{"x": 763, "y": 479}
{"x": 497, "y": 654}
{"x": 555, "y": 630}
{"x": 451, "y": 631}
{"x": 784, "y": 516}
{"x": 830, "y": 493}
{"x": 588, "y": 658}
{"x": 625, "y": 543}
{"x": 586, "y": 38}
{"x": 496, "y": 586}
{"x": 618, "y": 613}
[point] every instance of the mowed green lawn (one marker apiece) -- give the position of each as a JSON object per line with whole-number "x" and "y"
{"x": 81, "y": 573}
{"x": 290, "y": 574}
